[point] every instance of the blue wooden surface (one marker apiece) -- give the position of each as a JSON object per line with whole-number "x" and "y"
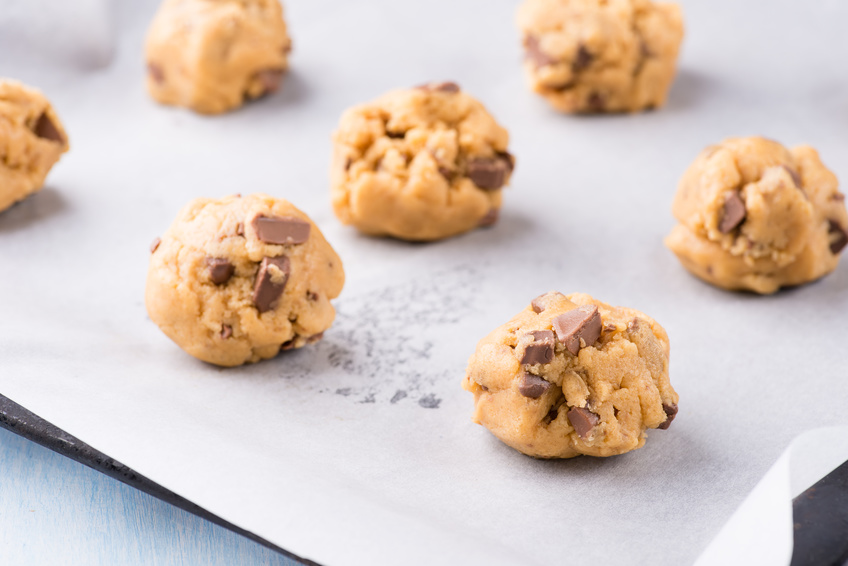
{"x": 54, "y": 511}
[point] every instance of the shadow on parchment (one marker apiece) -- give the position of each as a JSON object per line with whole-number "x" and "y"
{"x": 38, "y": 207}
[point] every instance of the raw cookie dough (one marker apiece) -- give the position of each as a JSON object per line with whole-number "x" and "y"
{"x": 601, "y": 55}
{"x": 419, "y": 164}
{"x": 32, "y": 139}
{"x": 570, "y": 375}
{"x": 237, "y": 280}
{"x": 211, "y": 55}
{"x": 756, "y": 216}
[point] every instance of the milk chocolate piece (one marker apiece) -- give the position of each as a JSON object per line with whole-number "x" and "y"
{"x": 154, "y": 245}
{"x": 732, "y": 213}
{"x": 447, "y": 86}
{"x": 541, "y": 350}
{"x": 583, "y": 420}
{"x": 270, "y": 80}
{"x": 796, "y": 178}
{"x": 155, "y": 72}
{"x": 490, "y": 219}
{"x": 220, "y": 270}
{"x": 281, "y": 229}
{"x": 534, "y": 53}
{"x": 46, "y": 129}
{"x": 270, "y": 282}
{"x": 489, "y": 173}
{"x": 838, "y": 237}
{"x": 583, "y": 59}
{"x": 314, "y": 338}
{"x": 532, "y": 386}
{"x": 540, "y": 303}
{"x": 226, "y": 331}
{"x": 582, "y": 323}
{"x": 597, "y": 102}
{"x": 670, "y": 413}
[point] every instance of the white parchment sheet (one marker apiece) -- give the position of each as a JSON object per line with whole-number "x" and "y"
{"x": 360, "y": 450}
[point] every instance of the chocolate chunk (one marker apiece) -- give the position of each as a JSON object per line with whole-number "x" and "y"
{"x": 489, "y": 173}
{"x": 447, "y": 86}
{"x": 46, "y": 129}
{"x": 314, "y": 338}
{"x": 670, "y": 413}
{"x": 583, "y": 59}
{"x": 534, "y": 53}
{"x": 311, "y": 296}
{"x": 156, "y": 72}
{"x": 582, "y": 323}
{"x": 610, "y": 327}
{"x": 541, "y": 350}
{"x": 796, "y": 178}
{"x": 596, "y": 102}
{"x": 270, "y": 282}
{"x": 532, "y": 386}
{"x": 838, "y": 197}
{"x": 270, "y": 80}
{"x": 154, "y": 245}
{"x": 226, "y": 331}
{"x": 281, "y": 229}
{"x": 583, "y": 420}
{"x": 220, "y": 270}
{"x": 490, "y": 219}
{"x": 732, "y": 213}
{"x": 540, "y": 303}
{"x": 396, "y": 135}
{"x": 446, "y": 173}
{"x": 838, "y": 237}
{"x": 289, "y": 345}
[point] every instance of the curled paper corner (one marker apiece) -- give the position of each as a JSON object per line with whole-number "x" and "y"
{"x": 760, "y": 532}
{"x": 51, "y": 33}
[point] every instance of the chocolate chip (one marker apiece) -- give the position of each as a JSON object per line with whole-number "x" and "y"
{"x": 226, "y": 331}
{"x": 489, "y": 173}
{"x": 583, "y": 420}
{"x": 281, "y": 229}
{"x": 154, "y": 245}
{"x": 156, "y": 72}
{"x": 596, "y": 102}
{"x": 532, "y": 386}
{"x": 540, "y": 303}
{"x": 732, "y": 213}
{"x": 446, "y": 86}
{"x": 670, "y": 413}
{"x": 270, "y": 282}
{"x": 583, "y": 59}
{"x": 270, "y": 80}
{"x": 796, "y": 177}
{"x": 838, "y": 236}
{"x": 541, "y": 350}
{"x": 220, "y": 270}
{"x": 490, "y": 219}
{"x": 46, "y": 129}
{"x": 534, "y": 53}
{"x": 582, "y": 323}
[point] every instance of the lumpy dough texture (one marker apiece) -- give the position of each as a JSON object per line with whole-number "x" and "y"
{"x": 592, "y": 56}
{"x": 237, "y": 280}
{"x": 32, "y": 139}
{"x": 756, "y": 216}
{"x": 211, "y": 55}
{"x": 570, "y": 375}
{"x": 419, "y": 164}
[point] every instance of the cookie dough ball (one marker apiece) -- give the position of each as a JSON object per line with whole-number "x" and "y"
{"x": 756, "y": 216}
{"x": 211, "y": 55}
{"x": 420, "y": 164}
{"x": 32, "y": 139}
{"x": 237, "y": 280}
{"x": 601, "y": 55}
{"x": 570, "y": 375}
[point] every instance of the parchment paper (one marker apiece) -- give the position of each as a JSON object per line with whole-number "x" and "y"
{"x": 360, "y": 450}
